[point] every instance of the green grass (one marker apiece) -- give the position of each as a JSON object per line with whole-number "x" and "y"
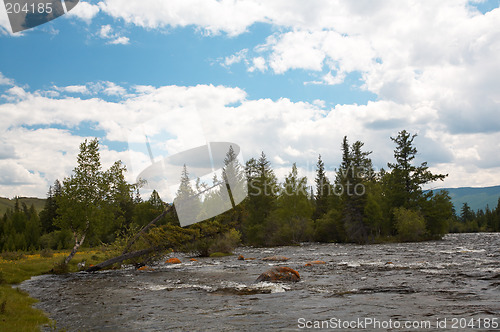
{"x": 16, "y": 311}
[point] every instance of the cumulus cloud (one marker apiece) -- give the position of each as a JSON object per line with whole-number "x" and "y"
{"x": 107, "y": 32}
{"x": 176, "y": 118}
{"x": 81, "y": 89}
{"x": 5, "y": 81}
{"x": 84, "y": 11}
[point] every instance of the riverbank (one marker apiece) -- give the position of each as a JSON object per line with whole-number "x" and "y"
{"x": 16, "y": 311}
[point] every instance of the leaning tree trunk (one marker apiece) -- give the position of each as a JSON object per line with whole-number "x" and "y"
{"x": 78, "y": 243}
{"x": 121, "y": 258}
{"x": 128, "y": 255}
{"x": 142, "y": 231}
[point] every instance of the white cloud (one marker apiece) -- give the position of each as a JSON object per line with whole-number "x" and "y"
{"x": 258, "y": 63}
{"x": 5, "y": 81}
{"x": 210, "y": 15}
{"x": 84, "y": 11}
{"x": 120, "y": 41}
{"x": 81, "y": 89}
{"x": 235, "y": 58}
{"x": 107, "y": 32}
{"x": 113, "y": 89}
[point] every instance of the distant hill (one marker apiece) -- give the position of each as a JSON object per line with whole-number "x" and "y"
{"x": 476, "y": 198}
{"x": 6, "y": 203}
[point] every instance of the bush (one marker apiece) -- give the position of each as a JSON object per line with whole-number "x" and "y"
{"x": 226, "y": 242}
{"x": 47, "y": 253}
{"x": 57, "y": 240}
{"x": 60, "y": 268}
{"x": 410, "y": 225}
{"x": 207, "y": 245}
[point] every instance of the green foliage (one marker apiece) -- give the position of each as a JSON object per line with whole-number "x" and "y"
{"x": 354, "y": 175}
{"x": 208, "y": 237}
{"x": 438, "y": 213}
{"x": 410, "y": 225}
{"x": 263, "y": 190}
{"x": 57, "y": 240}
{"x": 323, "y": 190}
{"x": 406, "y": 179}
{"x": 330, "y": 228}
{"x": 288, "y": 223}
{"x": 94, "y": 204}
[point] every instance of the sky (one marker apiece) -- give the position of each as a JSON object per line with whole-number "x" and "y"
{"x": 290, "y": 78}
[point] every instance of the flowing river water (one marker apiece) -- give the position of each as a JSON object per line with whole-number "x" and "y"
{"x": 452, "y": 284}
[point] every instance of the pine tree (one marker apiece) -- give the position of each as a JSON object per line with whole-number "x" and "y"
{"x": 323, "y": 188}
{"x": 406, "y": 178}
{"x": 466, "y": 213}
{"x": 293, "y": 211}
{"x": 187, "y": 201}
{"x": 355, "y": 172}
{"x": 262, "y": 197}
{"x": 49, "y": 213}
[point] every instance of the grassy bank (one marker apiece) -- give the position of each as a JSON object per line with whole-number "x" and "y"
{"x": 16, "y": 311}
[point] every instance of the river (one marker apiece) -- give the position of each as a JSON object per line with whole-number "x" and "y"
{"x": 452, "y": 284}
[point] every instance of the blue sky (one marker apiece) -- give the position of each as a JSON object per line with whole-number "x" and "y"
{"x": 284, "y": 77}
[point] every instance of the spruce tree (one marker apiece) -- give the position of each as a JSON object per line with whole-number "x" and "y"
{"x": 323, "y": 188}
{"x": 262, "y": 196}
{"x": 406, "y": 178}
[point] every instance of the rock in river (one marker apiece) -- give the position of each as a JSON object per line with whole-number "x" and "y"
{"x": 279, "y": 273}
{"x": 173, "y": 260}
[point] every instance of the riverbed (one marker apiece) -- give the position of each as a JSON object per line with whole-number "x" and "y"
{"x": 437, "y": 285}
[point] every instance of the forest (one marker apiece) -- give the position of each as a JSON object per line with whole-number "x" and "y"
{"x": 94, "y": 207}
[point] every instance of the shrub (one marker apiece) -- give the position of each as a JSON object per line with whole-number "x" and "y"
{"x": 47, "y": 253}
{"x": 409, "y": 224}
{"x": 12, "y": 256}
{"x": 60, "y": 268}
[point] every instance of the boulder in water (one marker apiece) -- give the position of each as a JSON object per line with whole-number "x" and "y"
{"x": 276, "y": 258}
{"x": 173, "y": 260}
{"x": 279, "y": 273}
{"x": 145, "y": 268}
{"x": 311, "y": 263}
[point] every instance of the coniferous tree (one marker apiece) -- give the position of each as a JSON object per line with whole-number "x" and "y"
{"x": 354, "y": 173}
{"x": 49, "y": 213}
{"x": 407, "y": 179}
{"x": 187, "y": 201}
{"x": 323, "y": 188}
{"x": 262, "y": 196}
{"x": 466, "y": 213}
{"x": 289, "y": 222}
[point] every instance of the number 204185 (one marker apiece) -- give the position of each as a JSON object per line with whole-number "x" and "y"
{"x": 474, "y": 323}
{"x": 34, "y": 8}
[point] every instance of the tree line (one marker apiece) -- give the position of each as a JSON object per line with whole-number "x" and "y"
{"x": 482, "y": 220}
{"x": 95, "y": 206}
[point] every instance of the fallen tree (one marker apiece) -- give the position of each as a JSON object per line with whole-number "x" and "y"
{"x": 134, "y": 254}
